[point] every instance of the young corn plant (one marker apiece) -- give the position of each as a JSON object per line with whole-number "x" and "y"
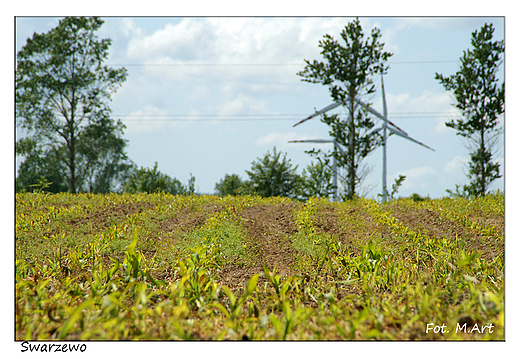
{"x": 233, "y": 309}
{"x": 291, "y": 318}
{"x": 195, "y": 281}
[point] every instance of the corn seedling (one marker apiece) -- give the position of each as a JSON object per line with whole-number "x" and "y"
{"x": 163, "y": 267}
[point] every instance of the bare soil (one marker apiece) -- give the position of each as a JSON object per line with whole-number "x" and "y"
{"x": 430, "y": 222}
{"x": 269, "y": 229}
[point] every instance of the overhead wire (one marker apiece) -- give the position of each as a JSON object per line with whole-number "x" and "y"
{"x": 269, "y": 64}
{"x": 258, "y": 117}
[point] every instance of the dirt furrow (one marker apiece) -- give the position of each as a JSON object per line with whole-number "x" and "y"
{"x": 267, "y": 228}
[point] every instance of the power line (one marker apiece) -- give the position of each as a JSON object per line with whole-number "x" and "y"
{"x": 207, "y": 64}
{"x": 420, "y": 62}
{"x": 258, "y": 117}
{"x": 270, "y": 114}
{"x": 206, "y": 115}
{"x": 207, "y": 120}
{"x": 266, "y": 64}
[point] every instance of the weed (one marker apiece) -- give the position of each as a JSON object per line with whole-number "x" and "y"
{"x": 120, "y": 267}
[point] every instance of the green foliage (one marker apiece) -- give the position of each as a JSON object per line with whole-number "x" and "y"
{"x": 347, "y": 71}
{"x": 41, "y": 185}
{"x": 273, "y": 175}
{"x": 62, "y": 95}
{"x": 37, "y": 165}
{"x": 395, "y": 187}
{"x": 235, "y": 304}
{"x": 191, "y": 184}
{"x": 152, "y": 181}
{"x": 480, "y": 98}
{"x": 482, "y": 170}
{"x": 417, "y": 198}
{"x": 317, "y": 180}
{"x": 398, "y": 183}
{"x": 108, "y": 167}
{"x": 230, "y": 185}
{"x": 221, "y": 241}
{"x": 459, "y": 192}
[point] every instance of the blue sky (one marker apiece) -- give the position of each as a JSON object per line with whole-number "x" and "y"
{"x": 207, "y": 96}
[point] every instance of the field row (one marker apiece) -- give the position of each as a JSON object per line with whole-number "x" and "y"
{"x": 203, "y": 267}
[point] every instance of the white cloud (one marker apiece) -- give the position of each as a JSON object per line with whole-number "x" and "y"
{"x": 466, "y": 23}
{"x": 265, "y": 40}
{"x": 130, "y": 29}
{"x": 456, "y": 165}
{"x": 418, "y": 179}
{"x": 220, "y": 41}
{"x": 429, "y": 101}
{"x": 460, "y": 163}
{"x": 418, "y": 172}
{"x": 186, "y": 40}
{"x": 280, "y": 140}
{"x": 243, "y": 104}
{"x": 276, "y": 139}
{"x": 389, "y": 36}
{"x": 397, "y": 101}
{"x": 180, "y": 48}
{"x": 426, "y": 107}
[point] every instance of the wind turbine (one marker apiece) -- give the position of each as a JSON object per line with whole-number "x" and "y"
{"x": 334, "y": 162}
{"x": 387, "y": 125}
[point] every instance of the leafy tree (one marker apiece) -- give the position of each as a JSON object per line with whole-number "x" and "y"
{"x": 480, "y": 97}
{"x": 347, "y": 70}
{"x": 62, "y": 95}
{"x": 152, "y": 181}
{"x": 273, "y": 175}
{"x": 397, "y": 184}
{"x": 39, "y": 167}
{"x": 317, "y": 180}
{"x": 191, "y": 185}
{"x": 231, "y": 185}
{"x": 107, "y": 167}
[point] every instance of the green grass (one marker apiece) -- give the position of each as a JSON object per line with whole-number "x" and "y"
{"x": 141, "y": 267}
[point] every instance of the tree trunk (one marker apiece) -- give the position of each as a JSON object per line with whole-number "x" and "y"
{"x": 482, "y": 163}
{"x": 351, "y": 168}
{"x": 72, "y": 143}
{"x": 72, "y": 160}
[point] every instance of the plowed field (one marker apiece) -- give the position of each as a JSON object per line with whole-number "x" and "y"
{"x": 250, "y": 268}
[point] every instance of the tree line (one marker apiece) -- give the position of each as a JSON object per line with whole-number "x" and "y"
{"x": 63, "y": 90}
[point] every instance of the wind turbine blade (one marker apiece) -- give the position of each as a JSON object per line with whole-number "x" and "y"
{"x": 385, "y": 112}
{"x": 377, "y": 114}
{"x": 370, "y": 109}
{"x": 375, "y": 130}
{"x": 323, "y": 110}
{"x": 320, "y": 141}
{"x": 340, "y": 147}
{"x": 312, "y": 141}
{"x": 399, "y": 133}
